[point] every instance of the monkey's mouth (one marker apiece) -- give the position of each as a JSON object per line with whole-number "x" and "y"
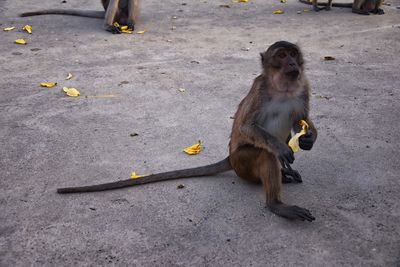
{"x": 294, "y": 74}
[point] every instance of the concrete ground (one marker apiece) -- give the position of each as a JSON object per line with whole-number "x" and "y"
{"x": 48, "y": 140}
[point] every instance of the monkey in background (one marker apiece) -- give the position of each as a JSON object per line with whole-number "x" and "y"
{"x": 124, "y": 12}
{"x": 363, "y": 7}
{"x": 258, "y": 150}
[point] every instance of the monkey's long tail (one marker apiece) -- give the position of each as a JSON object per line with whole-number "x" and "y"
{"x": 71, "y": 12}
{"x": 221, "y": 166}
{"x": 325, "y": 4}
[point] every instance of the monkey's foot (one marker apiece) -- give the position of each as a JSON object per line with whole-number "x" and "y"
{"x": 292, "y": 212}
{"x": 289, "y": 176}
{"x": 113, "y": 29}
{"x": 131, "y": 26}
{"x": 378, "y": 11}
{"x": 317, "y": 9}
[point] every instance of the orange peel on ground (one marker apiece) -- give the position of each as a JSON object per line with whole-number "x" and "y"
{"x": 193, "y": 149}
{"x": 48, "y": 84}
{"x": 21, "y": 41}
{"x": 135, "y": 176}
{"x": 7, "y": 29}
{"x": 70, "y": 91}
{"x": 27, "y": 28}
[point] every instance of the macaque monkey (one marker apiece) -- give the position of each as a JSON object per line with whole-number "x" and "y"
{"x": 258, "y": 150}
{"x": 363, "y": 7}
{"x": 124, "y": 12}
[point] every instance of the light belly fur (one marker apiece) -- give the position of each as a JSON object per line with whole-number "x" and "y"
{"x": 278, "y": 117}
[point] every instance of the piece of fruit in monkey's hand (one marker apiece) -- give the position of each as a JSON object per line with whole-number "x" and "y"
{"x": 294, "y": 141}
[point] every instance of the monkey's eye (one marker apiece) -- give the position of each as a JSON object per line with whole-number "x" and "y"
{"x": 293, "y": 54}
{"x": 281, "y": 55}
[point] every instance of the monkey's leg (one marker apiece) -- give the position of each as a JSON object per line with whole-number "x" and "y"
{"x": 110, "y": 17}
{"x": 271, "y": 178}
{"x": 315, "y": 6}
{"x": 256, "y": 164}
{"x": 328, "y": 5}
{"x": 133, "y": 13}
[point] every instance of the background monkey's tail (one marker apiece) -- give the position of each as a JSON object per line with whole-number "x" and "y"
{"x": 221, "y": 166}
{"x": 325, "y": 4}
{"x": 71, "y": 12}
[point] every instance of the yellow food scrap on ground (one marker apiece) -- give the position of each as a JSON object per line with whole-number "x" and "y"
{"x": 69, "y": 76}
{"x": 48, "y": 84}
{"x": 194, "y": 149}
{"x": 127, "y": 31}
{"x": 27, "y": 28}
{"x": 182, "y": 90}
{"x": 20, "y": 41}
{"x": 7, "y": 29}
{"x": 306, "y": 10}
{"x": 116, "y": 24}
{"x": 135, "y": 176}
{"x": 70, "y": 91}
{"x": 240, "y": 1}
{"x": 278, "y": 11}
{"x": 125, "y": 27}
{"x": 141, "y": 32}
{"x": 294, "y": 141}
{"x": 283, "y": 1}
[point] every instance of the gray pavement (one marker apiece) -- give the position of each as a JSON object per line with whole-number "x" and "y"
{"x": 48, "y": 140}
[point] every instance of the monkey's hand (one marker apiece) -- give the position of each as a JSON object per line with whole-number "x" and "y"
{"x": 285, "y": 153}
{"x": 306, "y": 141}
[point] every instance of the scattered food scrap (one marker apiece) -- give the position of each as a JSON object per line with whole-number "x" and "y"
{"x": 27, "y": 28}
{"x": 7, "y": 29}
{"x": 194, "y": 149}
{"x": 278, "y": 11}
{"x": 135, "y": 176}
{"x": 48, "y": 84}
{"x": 21, "y": 41}
{"x": 69, "y": 76}
{"x": 70, "y": 91}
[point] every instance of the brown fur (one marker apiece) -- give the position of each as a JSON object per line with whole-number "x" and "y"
{"x": 125, "y": 12}
{"x": 251, "y": 152}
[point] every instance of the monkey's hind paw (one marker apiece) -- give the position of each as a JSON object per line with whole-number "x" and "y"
{"x": 292, "y": 212}
{"x": 131, "y": 26}
{"x": 289, "y": 176}
{"x": 113, "y": 29}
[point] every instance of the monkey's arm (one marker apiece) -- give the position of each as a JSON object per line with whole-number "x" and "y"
{"x": 260, "y": 137}
{"x": 110, "y": 17}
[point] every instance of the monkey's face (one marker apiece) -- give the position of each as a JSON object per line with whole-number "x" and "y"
{"x": 287, "y": 61}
